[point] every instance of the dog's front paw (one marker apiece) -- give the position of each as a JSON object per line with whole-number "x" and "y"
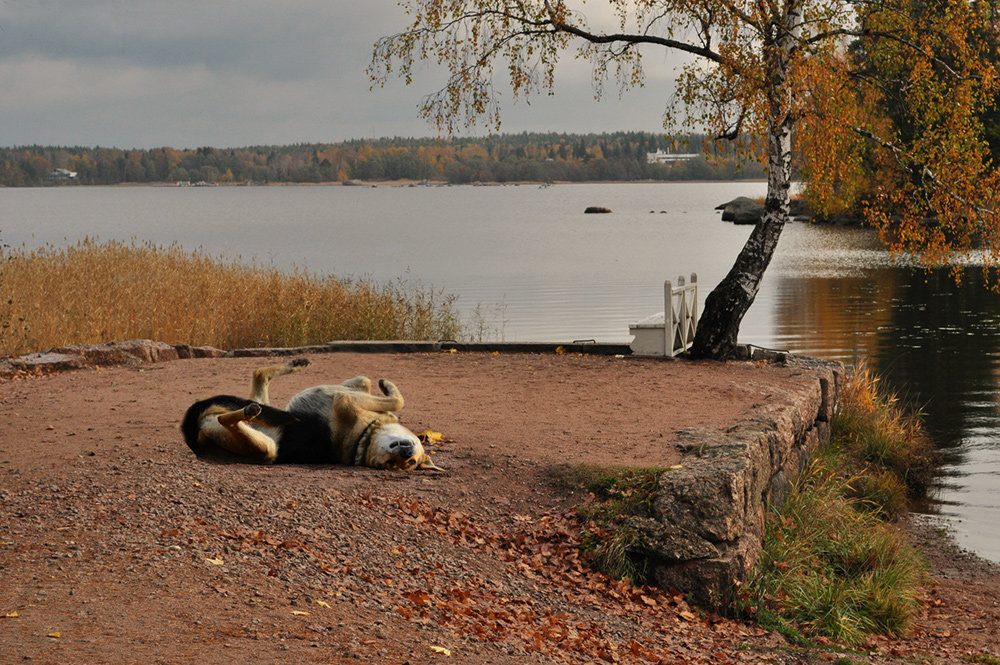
{"x": 251, "y": 411}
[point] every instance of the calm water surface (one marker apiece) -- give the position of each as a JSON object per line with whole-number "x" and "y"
{"x": 528, "y": 265}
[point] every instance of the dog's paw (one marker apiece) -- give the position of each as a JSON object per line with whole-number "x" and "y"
{"x": 251, "y": 411}
{"x": 385, "y": 386}
{"x": 299, "y": 362}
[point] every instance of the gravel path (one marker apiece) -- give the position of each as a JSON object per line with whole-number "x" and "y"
{"x": 118, "y": 546}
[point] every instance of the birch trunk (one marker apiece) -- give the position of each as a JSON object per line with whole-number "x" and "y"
{"x": 727, "y": 304}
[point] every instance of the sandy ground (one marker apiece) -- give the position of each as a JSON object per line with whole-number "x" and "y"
{"x": 117, "y": 545}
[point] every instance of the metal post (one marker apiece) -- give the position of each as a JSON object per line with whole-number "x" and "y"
{"x": 668, "y": 319}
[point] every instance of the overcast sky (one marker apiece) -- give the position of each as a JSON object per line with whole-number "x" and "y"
{"x": 227, "y": 73}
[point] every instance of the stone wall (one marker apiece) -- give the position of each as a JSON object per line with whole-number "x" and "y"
{"x": 709, "y": 512}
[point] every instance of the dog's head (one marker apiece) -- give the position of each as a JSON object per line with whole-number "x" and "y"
{"x": 395, "y": 447}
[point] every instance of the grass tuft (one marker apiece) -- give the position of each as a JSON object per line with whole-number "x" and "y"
{"x": 97, "y": 292}
{"x": 832, "y": 569}
{"x": 982, "y": 657}
{"x": 611, "y": 541}
{"x": 884, "y": 442}
{"x": 832, "y": 564}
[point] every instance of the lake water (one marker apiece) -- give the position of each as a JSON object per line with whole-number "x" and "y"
{"x": 527, "y": 264}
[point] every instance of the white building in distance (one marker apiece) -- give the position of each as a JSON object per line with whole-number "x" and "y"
{"x": 662, "y": 157}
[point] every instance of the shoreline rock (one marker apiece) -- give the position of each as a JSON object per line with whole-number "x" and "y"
{"x": 79, "y": 356}
{"x": 744, "y": 210}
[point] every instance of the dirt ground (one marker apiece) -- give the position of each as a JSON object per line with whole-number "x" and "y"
{"x": 117, "y": 545}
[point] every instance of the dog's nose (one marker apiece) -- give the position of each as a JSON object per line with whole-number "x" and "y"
{"x": 402, "y": 447}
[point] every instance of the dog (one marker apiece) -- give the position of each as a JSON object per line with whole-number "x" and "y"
{"x": 327, "y": 424}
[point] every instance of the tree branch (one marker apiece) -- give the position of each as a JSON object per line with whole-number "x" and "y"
{"x": 924, "y": 172}
{"x": 630, "y": 38}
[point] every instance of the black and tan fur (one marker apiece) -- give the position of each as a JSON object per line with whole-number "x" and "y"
{"x": 328, "y": 424}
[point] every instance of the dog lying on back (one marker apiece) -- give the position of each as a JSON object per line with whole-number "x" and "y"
{"x": 329, "y": 424}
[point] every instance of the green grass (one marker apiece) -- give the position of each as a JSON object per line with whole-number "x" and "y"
{"x": 833, "y": 564}
{"x": 831, "y": 569}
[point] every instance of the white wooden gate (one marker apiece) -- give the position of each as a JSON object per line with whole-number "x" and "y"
{"x": 672, "y": 331}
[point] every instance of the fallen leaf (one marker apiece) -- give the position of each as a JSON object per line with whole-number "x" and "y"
{"x": 53, "y": 635}
{"x": 430, "y": 436}
{"x": 215, "y": 562}
{"x": 300, "y": 613}
{"x": 441, "y": 650}
{"x": 560, "y": 351}
{"x": 687, "y": 616}
{"x": 322, "y": 603}
{"x": 418, "y": 597}
{"x": 11, "y": 615}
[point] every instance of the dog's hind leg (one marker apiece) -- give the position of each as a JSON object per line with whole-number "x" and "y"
{"x": 391, "y": 401}
{"x": 362, "y": 383}
{"x": 243, "y": 439}
{"x": 262, "y": 378}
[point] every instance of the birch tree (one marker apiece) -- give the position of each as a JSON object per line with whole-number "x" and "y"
{"x": 756, "y": 69}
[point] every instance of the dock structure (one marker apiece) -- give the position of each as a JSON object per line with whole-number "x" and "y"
{"x": 670, "y": 332}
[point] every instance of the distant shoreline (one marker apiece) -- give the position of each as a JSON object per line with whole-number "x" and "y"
{"x": 398, "y": 183}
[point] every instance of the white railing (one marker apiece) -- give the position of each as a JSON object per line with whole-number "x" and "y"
{"x": 671, "y": 331}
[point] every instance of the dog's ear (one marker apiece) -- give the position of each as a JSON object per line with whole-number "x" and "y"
{"x": 426, "y": 463}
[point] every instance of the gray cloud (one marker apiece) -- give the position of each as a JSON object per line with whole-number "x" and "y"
{"x": 144, "y": 73}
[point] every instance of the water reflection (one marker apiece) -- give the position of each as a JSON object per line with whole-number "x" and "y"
{"x": 933, "y": 339}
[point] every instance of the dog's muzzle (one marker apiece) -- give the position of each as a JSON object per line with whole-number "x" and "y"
{"x": 402, "y": 448}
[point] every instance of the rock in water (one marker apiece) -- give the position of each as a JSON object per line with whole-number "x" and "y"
{"x": 742, "y": 210}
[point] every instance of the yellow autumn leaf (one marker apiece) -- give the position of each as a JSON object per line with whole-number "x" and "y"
{"x": 560, "y": 350}
{"x": 215, "y": 562}
{"x": 441, "y": 650}
{"x": 431, "y": 436}
{"x": 53, "y": 635}
{"x": 675, "y": 467}
{"x": 11, "y": 615}
{"x": 322, "y": 603}
{"x": 300, "y": 613}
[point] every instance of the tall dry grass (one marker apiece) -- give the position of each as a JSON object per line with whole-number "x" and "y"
{"x": 883, "y": 441}
{"x": 95, "y": 292}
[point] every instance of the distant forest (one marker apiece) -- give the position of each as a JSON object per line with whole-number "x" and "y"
{"x": 619, "y": 156}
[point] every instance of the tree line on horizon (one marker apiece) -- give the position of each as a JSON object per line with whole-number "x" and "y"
{"x": 532, "y": 157}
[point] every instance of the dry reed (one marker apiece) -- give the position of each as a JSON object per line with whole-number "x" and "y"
{"x": 95, "y": 292}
